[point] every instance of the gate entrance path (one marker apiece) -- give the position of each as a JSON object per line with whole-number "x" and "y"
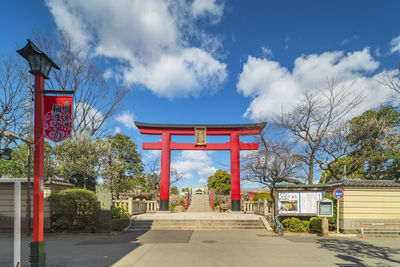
{"x": 200, "y": 203}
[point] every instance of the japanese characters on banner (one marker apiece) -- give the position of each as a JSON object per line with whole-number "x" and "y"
{"x": 57, "y": 117}
{"x": 298, "y": 202}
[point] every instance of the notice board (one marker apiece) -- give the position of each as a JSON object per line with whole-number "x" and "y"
{"x": 297, "y": 202}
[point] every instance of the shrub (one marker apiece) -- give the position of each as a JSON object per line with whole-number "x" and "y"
{"x": 217, "y": 203}
{"x": 262, "y": 196}
{"x": 295, "y": 224}
{"x": 120, "y": 211}
{"x": 316, "y": 224}
{"x": 74, "y": 210}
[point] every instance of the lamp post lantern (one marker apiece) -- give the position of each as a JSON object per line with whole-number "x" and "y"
{"x": 6, "y": 153}
{"x": 40, "y": 65}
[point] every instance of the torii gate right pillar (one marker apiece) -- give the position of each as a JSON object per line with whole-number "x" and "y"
{"x": 235, "y": 172}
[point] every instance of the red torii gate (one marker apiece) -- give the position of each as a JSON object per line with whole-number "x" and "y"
{"x": 200, "y": 131}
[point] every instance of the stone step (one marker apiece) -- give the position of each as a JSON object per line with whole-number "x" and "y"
{"x": 195, "y": 224}
{"x": 195, "y": 228}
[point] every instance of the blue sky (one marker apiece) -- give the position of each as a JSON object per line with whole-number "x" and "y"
{"x": 208, "y": 61}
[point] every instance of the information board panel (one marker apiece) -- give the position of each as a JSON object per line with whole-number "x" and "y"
{"x": 304, "y": 203}
{"x": 288, "y": 202}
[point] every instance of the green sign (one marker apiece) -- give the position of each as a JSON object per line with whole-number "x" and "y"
{"x": 325, "y": 209}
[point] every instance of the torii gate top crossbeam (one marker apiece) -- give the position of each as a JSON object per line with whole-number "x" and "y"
{"x": 189, "y": 129}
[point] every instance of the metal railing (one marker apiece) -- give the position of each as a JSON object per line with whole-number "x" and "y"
{"x": 211, "y": 199}
{"x": 392, "y": 230}
{"x": 188, "y": 199}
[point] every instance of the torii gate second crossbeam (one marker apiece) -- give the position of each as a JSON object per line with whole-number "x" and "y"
{"x": 200, "y": 132}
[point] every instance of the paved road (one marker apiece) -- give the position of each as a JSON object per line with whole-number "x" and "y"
{"x": 209, "y": 248}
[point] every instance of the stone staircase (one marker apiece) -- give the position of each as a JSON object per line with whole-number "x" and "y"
{"x": 199, "y": 203}
{"x": 196, "y": 221}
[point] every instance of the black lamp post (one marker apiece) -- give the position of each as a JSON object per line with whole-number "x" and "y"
{"x": 40, "y": 65}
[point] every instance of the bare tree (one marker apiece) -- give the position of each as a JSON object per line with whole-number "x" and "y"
{"x": 334, "y": 147}
{"x": 391, "y": 79}
{"x": 12, "y": 95}
{"x": 95, "y": 99}
{"x": 313, "y": 119}
{"x": 153, "y": 174}
{"x": 272, "y": 164}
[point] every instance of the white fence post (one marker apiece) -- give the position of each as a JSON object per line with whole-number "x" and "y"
{"x": 17, "y": 223}
{"x": 130, "y": 208}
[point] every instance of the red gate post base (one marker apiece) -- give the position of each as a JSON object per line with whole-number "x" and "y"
{"x": 236, "y": 205}
{"x": 38, "y": 254}
{"x": 234, "y": 146}
{"x": 164, "y": 205}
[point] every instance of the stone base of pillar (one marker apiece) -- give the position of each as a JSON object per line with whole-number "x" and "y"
{"x": 325, "y": 227}
{"x": 236, "y": 205}
{"x": 164, "y": 205}
{"x": 38, "y": 254}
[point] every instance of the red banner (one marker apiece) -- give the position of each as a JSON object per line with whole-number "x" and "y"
{"x": 57, "y": 117}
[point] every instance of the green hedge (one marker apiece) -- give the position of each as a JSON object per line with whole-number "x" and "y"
{"x": 74, "y": 210}
{"x": 316, "y": 224}
{"x": 295, "y": 224}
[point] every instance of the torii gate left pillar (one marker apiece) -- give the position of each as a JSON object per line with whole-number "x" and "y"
{"x": 234, "y": 146}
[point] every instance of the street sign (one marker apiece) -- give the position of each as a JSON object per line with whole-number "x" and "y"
{"x": 338, "y": 193}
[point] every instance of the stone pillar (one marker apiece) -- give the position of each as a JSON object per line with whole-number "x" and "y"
{"x": 325, "y": 227}
{"x": 104, "y": 197}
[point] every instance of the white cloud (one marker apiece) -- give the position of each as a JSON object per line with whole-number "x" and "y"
{"x": 395, "y": 45}
{"x": 191, "y": 163}
{"x": 273, "y": 88}
{"x": 348, "y": 40}
{"x": 87, "y": 115}
{"x": 201, "y": 8}
{"x": 150, "y": 39}
{"x": 127, "y": 119}
{"x": 153, "y": 154}
{"x": 266, "y": 51}
{"x": 117, "y": 130}
{"x": 202, "y": 181}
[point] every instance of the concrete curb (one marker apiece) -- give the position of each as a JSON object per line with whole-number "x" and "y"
{"x": 266, "y": 224}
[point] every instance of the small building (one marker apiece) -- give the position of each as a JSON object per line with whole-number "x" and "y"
{"x": 51, "y": 186}
{"x": 199, "y": 190}
{"x": 367, "y": 201}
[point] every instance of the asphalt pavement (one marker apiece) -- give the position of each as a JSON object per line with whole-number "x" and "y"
{"x": 208, "y": 248}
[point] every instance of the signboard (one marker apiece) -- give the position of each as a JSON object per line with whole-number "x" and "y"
{"x": 325, "y": 208}
{"x": 200, "y": 136}
{"x": 57, "y": 117}
{"x": 338, "y": 193}
{"x": 298, "y": 202}
{"x": 288, "y": 202}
